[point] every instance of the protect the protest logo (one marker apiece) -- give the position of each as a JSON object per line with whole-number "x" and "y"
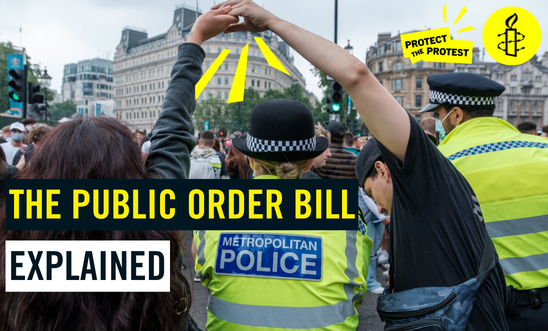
{"x": 436, "y": 45}
{"x": 511, "y": 35}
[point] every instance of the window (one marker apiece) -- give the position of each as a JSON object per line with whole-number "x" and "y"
{"x": 264, "y": 84}
{"x": 526, "y": 77}
{"x": 419, "y": 64}
{"x": 253, "y": 69}
{"x": 253, "y": 53}
{"x": 380, "y": 66}
{"x": 398, "y": 66}
{"x": 513, "y": 78}
{"x": 219, "y": 50}
{"x": 418, "y": 118}
{"x": 219, "y": 79}
{"x": 537, "y": 90}
{"x": 418, "y": 83}
{"x": 266, "y": 71}
{"x": 258, "y": 83}
{"x": 537, "y": 78}
{"x": 207, "y": 50}
{"x": 218, "y": 95}
{"x": 226, "y": 66}
{"x": 226, "y": 80}
{"x": 253, "y": 82}
{"x": 268, "y": 84}
{"x": 398, "y": 46}
{"x": 418, "y": 101}
{"x": 398, "y": 84}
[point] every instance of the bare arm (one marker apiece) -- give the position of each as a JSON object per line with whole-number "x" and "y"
{"x": 382, "y": 114}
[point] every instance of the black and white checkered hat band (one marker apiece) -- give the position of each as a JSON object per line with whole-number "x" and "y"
{"x": 262, "y": 145}
{"x": 441, "y": 97}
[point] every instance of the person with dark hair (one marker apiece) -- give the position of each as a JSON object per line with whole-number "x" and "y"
{"x": 349, "y": 142}
{"x": 428, "y": 124}
{"x": 37, "y": 133}
{"x": 67, "y": 152}
{"x": 527, "y": 128}
{"x": 503, "y": 166}
{"x": 342, "y": 163}
{"x": 237, "y": 164}
{"x": 308, "y": 293}
{"x": 28, "y": 123}
{"x": 544, "y": 133}
{"x": 440, "y": 254}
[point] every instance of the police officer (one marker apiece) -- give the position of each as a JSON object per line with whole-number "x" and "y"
{"x": 508, "y": 172}
{"x": 260, "y": 280}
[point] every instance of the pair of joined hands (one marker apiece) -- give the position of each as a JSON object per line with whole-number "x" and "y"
{"x": 224, "y": 17}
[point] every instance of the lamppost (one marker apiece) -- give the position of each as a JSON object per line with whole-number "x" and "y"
{"x": 45, "y": 81}
{"x": 350, "y": 50}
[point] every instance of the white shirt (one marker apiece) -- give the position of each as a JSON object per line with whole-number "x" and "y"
{"x": 146, "y": 147}
{"x": 10, "y": 152}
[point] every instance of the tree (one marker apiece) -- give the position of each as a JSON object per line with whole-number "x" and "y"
{"x": 64, "y": 109}
{"x": 213, "y": 111}
{"x": 34, "y": 71}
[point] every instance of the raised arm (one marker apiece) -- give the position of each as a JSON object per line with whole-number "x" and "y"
{"x": 173, "y": 138}
{"x": 382, "y": 114}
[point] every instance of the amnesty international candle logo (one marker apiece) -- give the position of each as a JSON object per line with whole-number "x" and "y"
{"x": 511, "y": 35}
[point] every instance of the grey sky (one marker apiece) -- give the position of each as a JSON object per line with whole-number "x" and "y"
{"x": 57, "y": 32}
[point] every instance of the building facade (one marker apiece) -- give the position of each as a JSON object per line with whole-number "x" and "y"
{"x": 526, "y": 96}
{"x": 142, "y": 67}
{"x": 406, "y": 81}
{"x": 89, "y": 84}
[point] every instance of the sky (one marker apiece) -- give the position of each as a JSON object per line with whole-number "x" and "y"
{"x": 57, "y": 32}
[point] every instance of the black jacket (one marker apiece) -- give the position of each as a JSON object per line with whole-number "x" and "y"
{"x": 173, "y": 139}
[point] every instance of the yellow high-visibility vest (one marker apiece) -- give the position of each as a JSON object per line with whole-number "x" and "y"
{"x": 508, "y": 171}
{"x": 280, "y": 280}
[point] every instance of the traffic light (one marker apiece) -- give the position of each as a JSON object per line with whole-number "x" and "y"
{"x": 335, "y": 97}
{"x": 33, "y": 97}
{"x": 17, "y": 84}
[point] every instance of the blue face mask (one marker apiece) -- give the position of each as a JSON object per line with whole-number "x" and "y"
{"x": 17, "y": 136}
{"x": 440, "y": 130}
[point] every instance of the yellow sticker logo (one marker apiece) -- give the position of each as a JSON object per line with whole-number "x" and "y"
{"x": 436, "y": 45}
{"x": 238, "y": 84}
{"x": 511, "y": 35}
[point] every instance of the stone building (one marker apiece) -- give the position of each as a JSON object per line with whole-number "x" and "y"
{"x": 142, "y": 67}
{"x": 526, "y": 94}
{"x": 88, "y": 83}
{"x": 406, "y": 81}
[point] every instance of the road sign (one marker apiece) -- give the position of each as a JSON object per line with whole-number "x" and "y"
{"x": 334, "y": 117}
{"x": 206, "y": 125}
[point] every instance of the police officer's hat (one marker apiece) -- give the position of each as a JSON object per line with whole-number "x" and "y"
{"x": 462, "y": 88}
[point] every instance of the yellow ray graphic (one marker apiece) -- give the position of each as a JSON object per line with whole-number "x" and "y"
{"x": 468, "y": 28}
{"x": 238, "y": 85}
{"x": 210, "y": 72}
{"x": 270, "y": 57}
{"x": 461, "y": 14}
{"x": 445, "y": 13}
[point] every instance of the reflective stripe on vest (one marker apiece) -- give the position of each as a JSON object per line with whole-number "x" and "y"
{"x": 495, "y": 147}
{"x": 514, "y": 265}
{"x": 515, "y": 227}
{"x": 295, "y": 317}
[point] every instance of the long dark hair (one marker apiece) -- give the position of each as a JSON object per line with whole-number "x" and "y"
{"x": 236, "y": 161}
{"x": 95, "y": 147}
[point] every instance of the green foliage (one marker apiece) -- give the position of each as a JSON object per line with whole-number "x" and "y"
{"x": 34, "y": 71}
{"x": 60, "y": 110}
{"x": 224, "y": 116}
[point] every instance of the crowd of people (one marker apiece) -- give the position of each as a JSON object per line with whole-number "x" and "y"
{"x": 467, "y": 225}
